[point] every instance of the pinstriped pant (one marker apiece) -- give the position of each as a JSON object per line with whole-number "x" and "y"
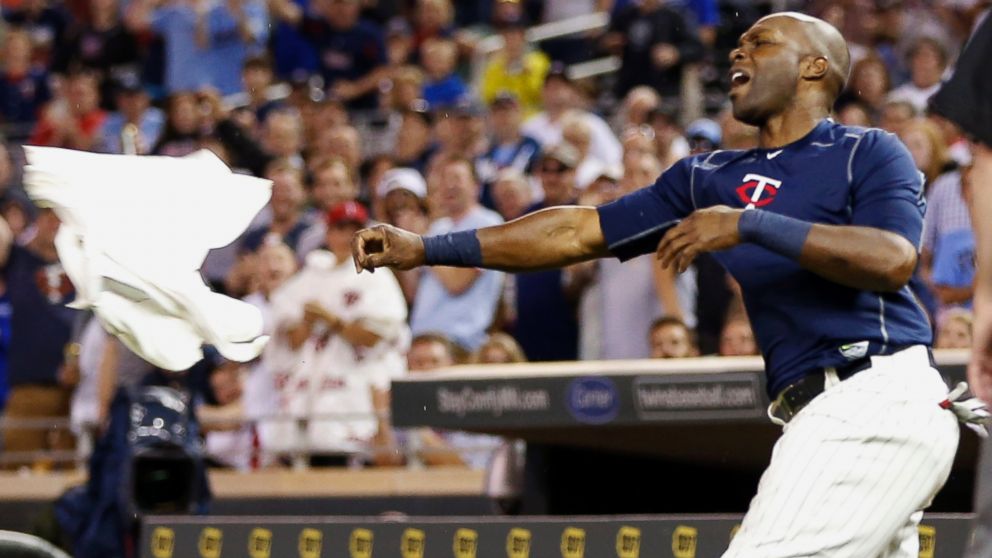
{"x": 853, "y": 471}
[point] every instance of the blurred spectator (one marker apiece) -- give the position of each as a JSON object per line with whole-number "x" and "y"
{"x": 512, "y": 194}
{"x": 102, "y": 45}
{"x": 413, "y": 147}
{"x": 927, "y": 61}
{"x": 458, "y": 302}
{"x": 546, "y": 323}
{"x": 628, "y": 297}
{"x": 704, "y": 135}
{"x": 508, "y": 148}
{"x": 286, "y": 206}
{"x": 895, "y": 115}
{"x": 42, "y": 365}
{"x": 401, "y": 197}
{"x": 182, "y": 126}
{"x": 926, "y": 144}
{"x": 399, "y": 42}
{"x": 869, "y": 85}
{"x": 737, "y": 339}
{"x": 670, "y": 338}
{"x": 637, "y": 106}
{"x": 575, "y": 131}
{"x": 637, "y": 141}
{"x": 559, "y": 96}
{"x": 23, "y": 85}
{"x": 235, "y": 30}
{"x": 282, "y": 136}
{"x": 206, "y": 43}
{"x": 953, "y": 249}
{"x": 342, "y": 142}
{"x": 260, "y": 401}
{"x": 406, "y": 85}
{"x": 246, "y": 395}
{"x": 432, "y": 19}
{"x": 351, "y": 334}
{"x": 460, "y": 130}
{"x": 73, "y": 121}
{"x": 514, "y": 69}
{"x": 136, "y": 124}
{"x": 349, "y": 49}
{"x": 257, "y": 77}
{"x": 44, "y": 23}
{"x": 499, "y": 348}
{"x": 443, "y": 86}
{"x": 430, "y": 351}
{"x": 331, "y": 184}
{"x": 672, "y": 145}
{"x": 855, "y": 113}
{"x": 654, "y": 42}
{"x": 955, "y": 330}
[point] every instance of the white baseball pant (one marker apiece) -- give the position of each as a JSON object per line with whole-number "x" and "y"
{"x": 854, "y": 469}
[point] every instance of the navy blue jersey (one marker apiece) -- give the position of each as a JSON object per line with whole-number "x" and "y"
{"x": 835, "y": 175}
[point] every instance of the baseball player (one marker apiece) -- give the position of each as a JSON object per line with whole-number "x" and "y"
{"x": 820, "y": 225}
{"x": 966, "y": 99}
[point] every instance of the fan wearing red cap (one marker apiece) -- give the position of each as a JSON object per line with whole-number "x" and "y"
{"x": 349, "y": 333}
{"x": 343, "y": 220}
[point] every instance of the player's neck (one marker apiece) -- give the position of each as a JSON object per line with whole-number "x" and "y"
{"x": 789, "y": 126}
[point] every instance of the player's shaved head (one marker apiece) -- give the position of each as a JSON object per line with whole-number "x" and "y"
{"x": 785, "y": 62}
{"x": 821, "y": 40}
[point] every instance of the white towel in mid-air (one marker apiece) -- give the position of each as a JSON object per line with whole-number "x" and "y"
{"x": 134, "y": 233}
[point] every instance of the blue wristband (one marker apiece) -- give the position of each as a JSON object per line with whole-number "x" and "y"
{"x": 458, "y": 249}
{"x": 780, "y": 234}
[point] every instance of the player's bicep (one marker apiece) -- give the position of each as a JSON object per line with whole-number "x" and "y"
{"x": 634, "y": 224}
{"x": 887, "y": 189}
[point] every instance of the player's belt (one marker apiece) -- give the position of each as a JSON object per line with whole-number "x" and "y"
{"x": 795, "y": 396}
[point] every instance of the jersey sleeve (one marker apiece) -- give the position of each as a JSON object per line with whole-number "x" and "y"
{"x": 634, "y": 224}
{"x": 886, "y": 187}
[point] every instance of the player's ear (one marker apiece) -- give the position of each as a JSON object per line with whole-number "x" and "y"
{"x": 814, "y": 68}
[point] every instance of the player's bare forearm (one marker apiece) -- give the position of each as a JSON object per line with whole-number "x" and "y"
{"x": 860, "y": 257}
{"x": 545, "y": 239}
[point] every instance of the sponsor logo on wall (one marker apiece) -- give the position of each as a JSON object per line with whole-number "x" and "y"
{"x": 518, "y": 543}
{"x": 593, "y": 400}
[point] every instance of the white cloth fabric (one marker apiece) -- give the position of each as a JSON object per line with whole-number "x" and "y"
{"x": 134, "y": 233}
{"x": 854, "y": 470}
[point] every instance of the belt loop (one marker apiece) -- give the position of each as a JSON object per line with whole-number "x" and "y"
{"x": 772, "y": 411}
{"x": 830, "y": 378}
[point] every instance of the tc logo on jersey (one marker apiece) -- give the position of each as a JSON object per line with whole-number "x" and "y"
{"x": 757, "y": 190}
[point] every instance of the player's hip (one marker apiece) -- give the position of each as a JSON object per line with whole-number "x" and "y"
{"x": 903, "y": 381}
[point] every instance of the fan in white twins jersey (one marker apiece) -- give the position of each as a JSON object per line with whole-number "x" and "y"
{"x": 348, "y": 334}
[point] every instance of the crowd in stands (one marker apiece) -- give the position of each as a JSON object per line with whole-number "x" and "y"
{"x": 390, "y": 111}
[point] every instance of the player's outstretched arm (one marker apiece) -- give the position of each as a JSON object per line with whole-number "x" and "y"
{"x": 546, "y": 239}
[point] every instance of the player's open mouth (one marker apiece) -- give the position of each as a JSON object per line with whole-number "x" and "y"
{"x": 738, "y": 78}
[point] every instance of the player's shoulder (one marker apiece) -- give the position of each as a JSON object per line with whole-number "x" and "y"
{"x": 860, "y": 137}
{"x": 709, "y": 161}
